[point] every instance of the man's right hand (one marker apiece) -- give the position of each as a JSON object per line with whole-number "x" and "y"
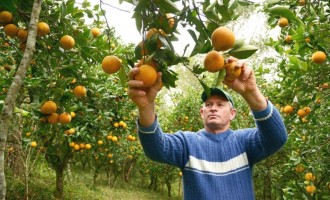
{"x": 142, "y": 97}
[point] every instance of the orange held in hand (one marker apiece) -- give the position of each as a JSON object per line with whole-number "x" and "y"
{"x": 232, "y": 72}
{"x": 214, "y": 61}
{"x": 147, "y": 74}
{"x": 222, "y": 39}
{"x": 111, "y": 64}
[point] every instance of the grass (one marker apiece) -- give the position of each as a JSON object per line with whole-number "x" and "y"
{"x": 79, "y": 186}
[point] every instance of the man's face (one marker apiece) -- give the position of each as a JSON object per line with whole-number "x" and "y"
{"x": 217, "y": 113}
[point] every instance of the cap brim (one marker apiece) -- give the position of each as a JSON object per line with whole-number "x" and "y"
{"x": 216, "y": 91}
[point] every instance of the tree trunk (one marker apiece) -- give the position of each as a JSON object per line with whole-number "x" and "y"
{"x": 169, "y": 187}
{"x": 15, "y": 159}
{"x": 59, "y": 184}
{"x": 13, "y": 91}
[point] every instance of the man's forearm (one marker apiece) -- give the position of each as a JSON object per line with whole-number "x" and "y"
{"x": 256, "y": 100}
{"x": 147, "y": 115}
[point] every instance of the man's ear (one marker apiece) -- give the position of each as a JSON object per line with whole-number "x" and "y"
{"x": 201, "y": 112}
{"x": 232, "y": 114}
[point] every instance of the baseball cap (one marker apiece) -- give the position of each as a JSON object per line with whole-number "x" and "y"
{"x": 216, "y": 91}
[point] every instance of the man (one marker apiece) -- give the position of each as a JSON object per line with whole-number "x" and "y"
{"x": 216, "y": 162}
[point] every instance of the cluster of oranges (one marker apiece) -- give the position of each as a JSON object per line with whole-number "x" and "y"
{"x": 80, "y": 146}
{"x": 317, "y": 57}
{"x": 49, "y": 108}
{"x": 302, "y": 112}
{"x": 309, "y": 179}
{"x": 222, "y": 39}
{"x": 6, "y": 19}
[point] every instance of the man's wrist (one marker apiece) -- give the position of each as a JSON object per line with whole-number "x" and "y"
{"x": 256, "y": 100}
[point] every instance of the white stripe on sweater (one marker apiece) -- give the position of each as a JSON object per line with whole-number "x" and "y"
{"x": 233, "y": 165}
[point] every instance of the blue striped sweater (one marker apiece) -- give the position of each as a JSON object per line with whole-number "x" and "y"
{"x": 217, "y": 166}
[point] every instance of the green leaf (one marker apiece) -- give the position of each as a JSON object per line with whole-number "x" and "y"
{"x": 122, "y": 76}
{"x": 283, "y": 11}
{"x": 238, "y": 43}
{"x": 168, "y": 78}
{"x": 243, "y": 52}
{"x": 221, "y": 76}
{"x": 167, "y": 6}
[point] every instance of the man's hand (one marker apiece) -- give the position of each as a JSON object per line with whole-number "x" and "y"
{"x": 142, "y": 97}
{"x": 246, "y": 86}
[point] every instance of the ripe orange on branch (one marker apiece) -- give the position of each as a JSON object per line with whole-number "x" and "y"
{"x": 48, "y": 107}
{"x": 96, "y": 32}
{"x": 288, "y": 109}
{"x": 64, "y": 118}
{"x": 283, "y": 22}
{"x": 147, "y": 74}
{"x": 222, "y": 39}
{"x": 52, "y": 118}
{"x": 319, "y": 57}
{"x": 79, "y": 91}
{"x": 111, "y": 64}
{"x": 67, "y": 42}
{"x": 43, "y": 29}
{"x": 11, "y": 30}
{"x": 214, "y": 61}
{"x": 5, "y": 17}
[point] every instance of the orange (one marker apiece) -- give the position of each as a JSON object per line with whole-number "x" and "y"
{"x": 52, "y": 118}
{"x": 43, "y": 29}
{"x": 150, "y": 33}
{"x": 88, "y": 146}
{"x": 307, "y": 109}
{"x": 309, "y": 176}
{"x": 48, "y": 107}
{"x": 147, "y": 74}
{"x": 100, "y": 142}
{"x": 307, "y": 39}
{"x": 301, "y": 113}
{"x": 302, "y": 2}
{"x": 222, "y": 39}
{"x": 67, "y": 42}
{"x": 114, "y": 139}
{"x": 79, "y": 91}
{"x": 288, "y": 109}
{"x": 111, "y": 64}
{"x": 96, "y": 32}
{"x": 214, "y": 61}
{"x": 33, "y": 144}
{"x": 232, "y": 72}
{"x": 22, "y": 34}
{"x": 71, "y": 131}
{"x": 73, "y": 114}
{"x": 5, "y": 17}
{"x": 64, "y": 118}
{"x": 299, "y": 168}
{"x": 288, "y": 39}
{"x": 283, "y": 22}
{"x": 71, "y": 144}
{"x": 319, "y": 57}
{"x": 76, "y": 147}
{"x": 22, "y": 46}
{"x": 10, "y": 30}
{"x": 310, "y": 189}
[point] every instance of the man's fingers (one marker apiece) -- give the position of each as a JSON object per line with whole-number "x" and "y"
{"x": 246, "y": 72}
{"x": 134, "y": 71}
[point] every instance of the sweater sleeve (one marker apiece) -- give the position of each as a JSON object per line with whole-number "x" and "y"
{"x": 269, "y": 136}
{"x": 161, "y": 147}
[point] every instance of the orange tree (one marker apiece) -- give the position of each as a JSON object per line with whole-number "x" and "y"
{"x": 302, "y": 88}
{"x": 65, "y": 69}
